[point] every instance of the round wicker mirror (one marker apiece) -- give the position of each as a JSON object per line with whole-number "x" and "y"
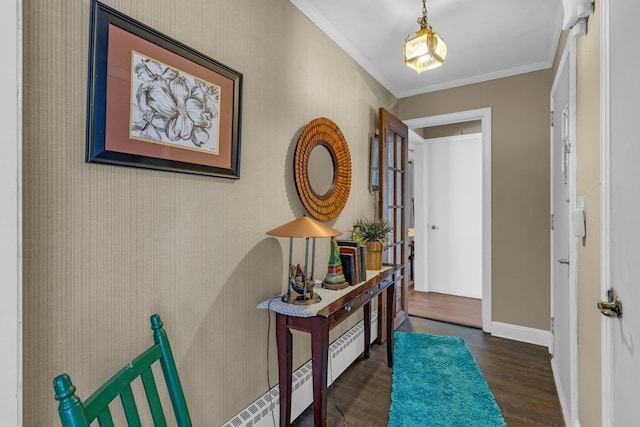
{"x": 318, "y": 135}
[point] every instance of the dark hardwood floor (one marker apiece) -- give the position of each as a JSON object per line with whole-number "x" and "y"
{"x": 447, "y": 308}
{"x": 519, "y": 376}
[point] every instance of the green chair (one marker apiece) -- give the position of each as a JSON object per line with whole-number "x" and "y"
{"x": 75, "y": 413}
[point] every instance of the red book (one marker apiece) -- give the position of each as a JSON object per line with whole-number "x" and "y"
{"x": 347, "y": 250}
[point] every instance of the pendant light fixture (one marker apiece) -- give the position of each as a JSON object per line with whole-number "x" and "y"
{"x": 424, "y": 49}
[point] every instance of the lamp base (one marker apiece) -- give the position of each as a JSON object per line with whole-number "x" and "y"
{"x": 308, "y": 299}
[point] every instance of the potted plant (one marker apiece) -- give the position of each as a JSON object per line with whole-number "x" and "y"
{"x": 374, "y": 233}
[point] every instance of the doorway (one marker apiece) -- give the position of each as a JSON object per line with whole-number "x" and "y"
{"x": 422, "y": 226}
{"x": 448, "y": 172}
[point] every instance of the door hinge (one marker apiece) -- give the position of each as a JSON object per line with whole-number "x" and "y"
{"x": 551, "y": 118}
{"x": 552, "y": 217}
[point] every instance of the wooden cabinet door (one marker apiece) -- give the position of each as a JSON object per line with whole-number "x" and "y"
{"x": 393, "y": 203}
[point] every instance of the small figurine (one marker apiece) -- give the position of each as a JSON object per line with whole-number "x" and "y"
{"x": 355, "y": 233}
{"x": 297, "y": 279}
{"x": 335, "y": 277}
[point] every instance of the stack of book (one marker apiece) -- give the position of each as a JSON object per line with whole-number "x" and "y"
{"x": 352, "y": 255}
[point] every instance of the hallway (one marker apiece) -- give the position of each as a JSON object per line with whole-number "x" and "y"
{"x": 446, "y": 308}
{"x": 519, "y": 376}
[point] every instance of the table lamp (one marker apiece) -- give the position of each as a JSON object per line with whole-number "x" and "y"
{"x": 298, "y": 279}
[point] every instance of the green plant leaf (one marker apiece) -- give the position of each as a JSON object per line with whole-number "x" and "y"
{"x": 373, "y": 230}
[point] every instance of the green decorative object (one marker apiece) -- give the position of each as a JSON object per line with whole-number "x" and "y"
{"x": 76, "y": 413}
{"x": 355, "y": 233}
{"x": 335, "y": 279}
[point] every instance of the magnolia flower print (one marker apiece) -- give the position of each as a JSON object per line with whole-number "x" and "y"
{"x": 171, "y": 107}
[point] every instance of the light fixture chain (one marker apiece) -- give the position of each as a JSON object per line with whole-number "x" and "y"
{"x": 423, "y": 19}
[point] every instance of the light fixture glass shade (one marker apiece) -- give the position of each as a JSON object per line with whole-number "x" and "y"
{"x": 425, "y": 51}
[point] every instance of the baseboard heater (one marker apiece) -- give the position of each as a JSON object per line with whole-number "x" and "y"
{"x": 265, "y": 411}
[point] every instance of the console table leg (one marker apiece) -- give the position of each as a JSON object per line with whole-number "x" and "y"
{"x": 285, "y": 368}
{"x": 391, "y": 315}
{"x": 319, "y": 352}
{"x": 367, "y": 329}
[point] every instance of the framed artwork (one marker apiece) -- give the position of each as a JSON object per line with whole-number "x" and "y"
{"x": 155, "y": 103}
{"x": 374, "y": 164}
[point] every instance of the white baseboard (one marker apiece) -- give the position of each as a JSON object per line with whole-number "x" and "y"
{"x": 265, "y": 411}
{"x": 522, "y": 333}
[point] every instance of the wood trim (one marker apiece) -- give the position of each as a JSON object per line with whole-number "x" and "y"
{"x": 605, "y": 213}
{"x": 389, "y": 125}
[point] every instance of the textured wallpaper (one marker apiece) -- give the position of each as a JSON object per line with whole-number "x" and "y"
{"x": 106, "y": 246}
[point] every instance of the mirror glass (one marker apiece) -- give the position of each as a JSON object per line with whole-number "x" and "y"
{"x": 320, "y": 170}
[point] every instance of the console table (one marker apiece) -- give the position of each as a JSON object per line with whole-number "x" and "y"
{"x": 335, "y": 307}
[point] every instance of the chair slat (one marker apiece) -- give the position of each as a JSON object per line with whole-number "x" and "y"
{"x": 104, "y": 418}
{"x": 112, "y": 388}
{"x": 153, "y": 398}
{"x": 130, "y": 408}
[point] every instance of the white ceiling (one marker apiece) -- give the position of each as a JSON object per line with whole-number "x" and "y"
{"x": 486, "y": 39}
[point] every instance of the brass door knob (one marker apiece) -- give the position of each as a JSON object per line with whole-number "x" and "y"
{"x": 611, "y": 308}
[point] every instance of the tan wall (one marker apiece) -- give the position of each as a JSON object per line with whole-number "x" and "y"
{"x": 106, "y": 246}
{"x": 463, "y": 128}
{"x": 520, "y": 186}
{"x": 588, "y": 185}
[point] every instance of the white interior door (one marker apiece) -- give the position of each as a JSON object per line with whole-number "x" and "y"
{"x": 562, "y": 257}
{"x": 454, "y": 226}
{"x": 621, "y": 269}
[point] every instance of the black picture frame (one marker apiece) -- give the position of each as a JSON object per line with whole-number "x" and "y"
{"x": 374, "y": 164}
{"x": 130, "y": 121}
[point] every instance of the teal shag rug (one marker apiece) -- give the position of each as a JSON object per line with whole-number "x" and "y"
{"x": 436, "y": 382}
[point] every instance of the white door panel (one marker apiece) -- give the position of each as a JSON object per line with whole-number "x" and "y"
{"x": 562, "y": 257}
{"x": 621, "y": 368}
{"x": 454, "y": 223}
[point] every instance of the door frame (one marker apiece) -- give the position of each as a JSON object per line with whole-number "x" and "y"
{"x": 11, "y": 27}
{"x": 568, "y": 59}
{"x": 606, "y": 346}
{"x": 484, "y": 115}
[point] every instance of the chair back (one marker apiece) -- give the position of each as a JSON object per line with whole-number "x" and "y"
{"x": 76, "y": 413}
